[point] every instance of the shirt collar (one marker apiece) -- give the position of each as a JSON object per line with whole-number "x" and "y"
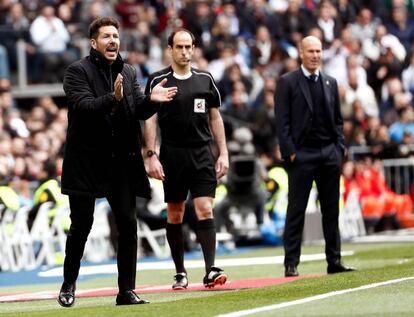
{"x": 182, "y": 77}
{"x": 307, "y": 73}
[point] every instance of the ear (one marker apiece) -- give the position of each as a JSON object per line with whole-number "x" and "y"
{"x": 93, "y": 43}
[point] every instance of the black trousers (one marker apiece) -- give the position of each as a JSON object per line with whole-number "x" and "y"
{"x": 122, "y": 202}
{"x": 322, "y": 165}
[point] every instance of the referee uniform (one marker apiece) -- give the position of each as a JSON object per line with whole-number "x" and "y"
{"x": 185, "y": 149}
{"x": 188, "y": 162}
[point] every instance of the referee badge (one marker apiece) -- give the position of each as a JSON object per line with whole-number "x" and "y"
{"x": 199, "y": 105}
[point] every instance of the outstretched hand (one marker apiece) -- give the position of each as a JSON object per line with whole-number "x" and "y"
{"x": 163, "y": 94}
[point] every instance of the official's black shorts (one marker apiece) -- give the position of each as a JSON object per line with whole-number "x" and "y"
{"x": 188, "y": 169}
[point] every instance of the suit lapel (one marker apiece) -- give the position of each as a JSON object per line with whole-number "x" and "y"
{"x": 305, "y": 89}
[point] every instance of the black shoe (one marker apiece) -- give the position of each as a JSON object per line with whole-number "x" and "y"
{"x": 338, "y": 267}
{"x": 129, "y": 298}
{"x": 181, "y": 281}
{"x": 66, "y": 296}
{"x": 291, "y": 270}
{"x": 216, "y": 276}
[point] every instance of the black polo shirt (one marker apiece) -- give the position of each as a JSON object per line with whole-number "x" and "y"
{"x": 184, "y": 120}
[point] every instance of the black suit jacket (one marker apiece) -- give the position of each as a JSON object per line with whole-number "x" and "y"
{"x": 294, "y": 109}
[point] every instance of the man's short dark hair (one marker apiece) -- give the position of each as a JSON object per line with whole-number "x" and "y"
{"x": 171, "y": 37}
{"x": 100, "y": 22}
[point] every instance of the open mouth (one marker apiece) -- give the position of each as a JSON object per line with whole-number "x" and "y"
{"x": 111, "y": 49}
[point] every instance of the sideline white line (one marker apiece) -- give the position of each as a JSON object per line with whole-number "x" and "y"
{"x": 168, "y": 265}
{"x": 312, "y": 298}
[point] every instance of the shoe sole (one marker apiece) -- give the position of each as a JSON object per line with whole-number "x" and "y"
{"x": 179, "y": 288}
{"x": 219, "y": 280}
{"x": 65, "y": 305}
{"x": 142, "y": 302}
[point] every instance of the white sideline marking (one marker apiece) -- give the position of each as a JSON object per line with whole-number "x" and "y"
{"x": 312, "y": 298}
{"x": 168, "y": 265}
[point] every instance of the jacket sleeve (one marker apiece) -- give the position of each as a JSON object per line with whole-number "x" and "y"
{"x": 338, "y": 117}
{"x": 79, "y": 93}
{"x": 283, "y": 117}
{"x": 144, "y": 107}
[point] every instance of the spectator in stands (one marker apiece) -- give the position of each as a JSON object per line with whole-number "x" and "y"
{"x": 365, "y": 25}
{"x": 237, "y": 110}
{"x": 408, "y": 76}
{"x": 346, "y": 10}
{"x": 362, "y": 92}
{"x": 220, "y": 37}
{"x": 334, "y": 58}
{"x": 328, "y": 22}
{"x": 128, "y": 11}
{"x": 399, "y": 101}
{"x": 93, "y": 10}
{"x": 16, "y": 27}
{"x": 232, "y": 75}
{"x": 382, "y": 74}
{"x": 405, "y": 122}
{"x": 262, "y": 47}
{"x": 229, "y": 11}
{"x": 228, "y": 55}
{"x": 294, "y": 23}
{"x": 373, "y": 48}
{"x": 402, "y": 26}
{"x": 4, "y": 69}
{"x": 137, "y": 58}
{"x": 199, "y": 20}
{"x": 257, "y": 12}
{"x": 263, "y": 124}
{"x": 69, "y": 13}
{"x": 105, "y": 161}
{"x": 52, "y": 39}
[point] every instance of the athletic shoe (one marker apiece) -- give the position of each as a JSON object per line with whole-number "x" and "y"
{"x": 216, "y": 276}
{"x": 181, "y": 281}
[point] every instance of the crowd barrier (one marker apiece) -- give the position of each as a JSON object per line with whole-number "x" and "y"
{"x": 398, "y": 172}
{"x": 44, "y": 243}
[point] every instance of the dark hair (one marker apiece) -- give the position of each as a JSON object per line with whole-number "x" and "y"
{"x": 171, "y": 37}
{"x": 100, "y": 22}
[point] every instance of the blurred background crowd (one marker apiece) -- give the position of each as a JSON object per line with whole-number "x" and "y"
{"x": 368, "y": 46}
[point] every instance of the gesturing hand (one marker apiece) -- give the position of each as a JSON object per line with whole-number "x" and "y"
{"x": 118, "y": 87}
{"x": 163, "y": 94}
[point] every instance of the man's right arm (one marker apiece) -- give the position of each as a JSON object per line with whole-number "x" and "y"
{"x": 152, "y": 163}
{"x": 283, "y": 117}
{"x": 79, "y": 93}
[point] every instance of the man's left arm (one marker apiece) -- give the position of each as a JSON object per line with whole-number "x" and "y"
{"x": 217, "y": 128}
{"x": 148, "y": 104}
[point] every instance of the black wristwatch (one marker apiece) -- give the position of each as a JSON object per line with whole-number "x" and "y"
{"x": 151, "y": 153}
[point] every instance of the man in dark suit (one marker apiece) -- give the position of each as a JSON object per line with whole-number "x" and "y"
{"x": 103, "y": 153}
{"x": 309, "y": 127}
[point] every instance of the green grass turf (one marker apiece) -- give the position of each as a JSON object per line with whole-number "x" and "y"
{"x": 375, "y": 263}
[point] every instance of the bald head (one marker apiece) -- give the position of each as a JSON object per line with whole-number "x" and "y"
{"x": 311, "y": 53}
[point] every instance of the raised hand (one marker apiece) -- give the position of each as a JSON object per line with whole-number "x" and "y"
{"x": 163, "y": 94}
{"x": 119, "y": 87}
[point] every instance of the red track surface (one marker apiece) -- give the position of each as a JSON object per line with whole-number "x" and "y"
{"x": 230, "y": 285}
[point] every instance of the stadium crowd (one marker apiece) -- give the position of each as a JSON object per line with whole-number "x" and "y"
{"x": 245, "y": 44}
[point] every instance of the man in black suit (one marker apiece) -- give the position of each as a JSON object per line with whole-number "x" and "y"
{"x": 309, "y": 125}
